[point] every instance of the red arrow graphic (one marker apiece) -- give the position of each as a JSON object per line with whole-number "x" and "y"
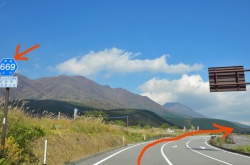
{"x": 19, "y": 56}
{"x": 227, "y": 131}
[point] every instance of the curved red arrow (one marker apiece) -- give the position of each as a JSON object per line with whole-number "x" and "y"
{"x": 19, "y": 56}
{"x": 227, "y": 131}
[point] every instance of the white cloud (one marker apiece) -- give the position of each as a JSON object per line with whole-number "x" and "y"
{"x": 246, "y": 122}
{"x": 119, "y": 61}
{"x": 193, "y": 92}
{"x": 37, "y": 66}
{"x": 50, "y": 68}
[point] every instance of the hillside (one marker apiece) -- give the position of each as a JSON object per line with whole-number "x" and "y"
{"x": 136, "y": 117}
{"x": 205, "y": 123}
{"x": 183, "y": 110}
{"x": 242, "y": 125}
{"x": 68, "y": 140}
{"x": 139, "y": 117}
{"x": 142, "y": 117}
{"x": 84, "y": 91}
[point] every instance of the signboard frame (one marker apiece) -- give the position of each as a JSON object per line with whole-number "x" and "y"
{"x": 229, "y": 78}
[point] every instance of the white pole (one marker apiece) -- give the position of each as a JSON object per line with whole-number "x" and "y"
{"x": 59, "y": 115}
{"x": 75, "y": 113}
{"x": 45, "y": 151}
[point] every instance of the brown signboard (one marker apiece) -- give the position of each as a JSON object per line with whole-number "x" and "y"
{"x": 230, "y": 78}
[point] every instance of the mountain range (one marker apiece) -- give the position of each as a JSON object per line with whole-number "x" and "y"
{"x": 184, "y": 110}
{"x": 65, "y": 92}
{"x": 85, "y": 91}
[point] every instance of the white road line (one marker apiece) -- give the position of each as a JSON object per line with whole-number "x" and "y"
{"x": 226, "y": 151}
{"x": 164, "y": 154}
{"x": 118, "y": 153}
{"x": 203, "y": 147}
{"x": 204, "y": 154}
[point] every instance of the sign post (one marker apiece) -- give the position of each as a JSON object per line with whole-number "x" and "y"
{"x": 5, "y": 120}
{"x": 8, "y": 67}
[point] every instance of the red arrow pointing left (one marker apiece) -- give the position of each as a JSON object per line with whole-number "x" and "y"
{"x": 18, "y": 56}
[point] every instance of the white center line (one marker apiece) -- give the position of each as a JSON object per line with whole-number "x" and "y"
{"x": 118, "y": 153}
{"x": 226, "y": 151}
{"x": 164, "y": 154}
{"x": 204, "y": 154}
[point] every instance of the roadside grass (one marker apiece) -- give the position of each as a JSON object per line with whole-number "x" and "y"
{"x": 68, "y": 140}
{"x": 218, "y": 141}
{"x": 245, "y": 148}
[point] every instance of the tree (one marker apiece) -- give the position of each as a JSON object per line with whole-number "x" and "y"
{"x": 192, "y": 127}
{"x": 165, "y": 126}
{"x": 174, "y": 127}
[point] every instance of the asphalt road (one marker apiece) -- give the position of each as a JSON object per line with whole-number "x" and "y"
{"x": 188, "y": 151}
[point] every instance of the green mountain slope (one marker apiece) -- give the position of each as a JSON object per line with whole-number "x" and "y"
{"x": 136, "y": 116}
{"x": 205, "y": 123}
{"x": 84, "y": 91}
{"x": 142, "y": 117}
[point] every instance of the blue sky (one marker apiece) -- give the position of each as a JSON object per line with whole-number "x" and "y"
{"x": 160, "y": 49}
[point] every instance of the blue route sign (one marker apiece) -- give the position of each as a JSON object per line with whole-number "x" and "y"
{"x": 8, "y": 67}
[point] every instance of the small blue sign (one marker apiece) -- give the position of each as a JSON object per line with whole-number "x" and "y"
{"x": 8, "y": 67}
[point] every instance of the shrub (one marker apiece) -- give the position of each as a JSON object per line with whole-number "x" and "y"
{"x": 95, "y": 113}
{"x": 165, "y": 126}
{"x": 146, "y": 127}
{"x": 137, "y": 126}
{"x": 12, "y": 150}
{"x": 120, "y": 122}
{"x": 20, "y": 132}
{"x": 217, "y": 141}
{"x": 3, "y": 161}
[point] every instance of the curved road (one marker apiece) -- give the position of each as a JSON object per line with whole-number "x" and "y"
{"x": 193, "y": 150}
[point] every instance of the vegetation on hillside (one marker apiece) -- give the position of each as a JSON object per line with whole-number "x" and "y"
{"x": 204, "y": 123}
{"x": 136, "y": 116}
{"x": 21, "y": 131}
{"x": 68, "y": 140}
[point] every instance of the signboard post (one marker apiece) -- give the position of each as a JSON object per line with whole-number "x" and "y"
{"x": 8, "y": 67}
